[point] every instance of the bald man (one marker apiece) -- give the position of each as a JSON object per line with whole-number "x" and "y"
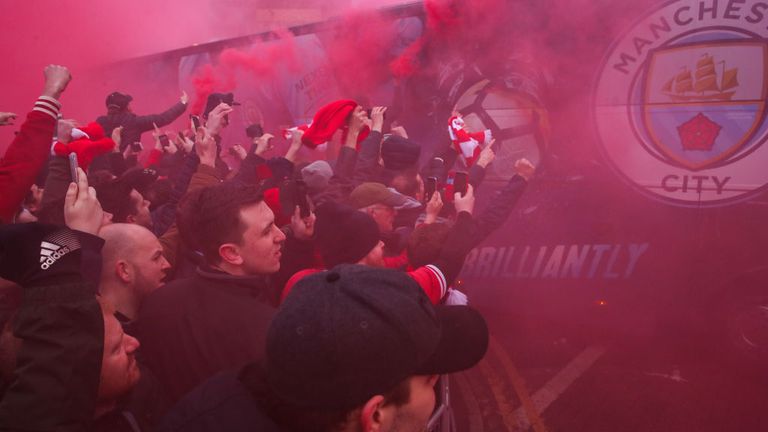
{"x": 133, "y": 266}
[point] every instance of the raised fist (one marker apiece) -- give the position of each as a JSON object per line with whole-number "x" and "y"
{"x": 56, "y": 80}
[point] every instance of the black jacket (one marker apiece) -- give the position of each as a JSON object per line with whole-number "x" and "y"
{"x": 222, "y": 403}
{"x": 192, "y": 328}
{"x": 134, "y": 125}
{"x": 56, "y": 376}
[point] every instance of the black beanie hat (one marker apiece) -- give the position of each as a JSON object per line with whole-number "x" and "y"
{"x": 118, "y": 100}
{"x": 140, "y": 179}
{"x": 343, "y": 234}
{"x": 399, "y": 153}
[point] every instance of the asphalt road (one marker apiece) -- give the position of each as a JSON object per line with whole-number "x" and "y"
{"x": 552, "y": 382}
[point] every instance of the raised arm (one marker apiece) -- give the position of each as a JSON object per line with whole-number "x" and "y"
{"x": 28, "y": 153}
{"x": 501, "y": 206}
{"x": 146, "y": 122}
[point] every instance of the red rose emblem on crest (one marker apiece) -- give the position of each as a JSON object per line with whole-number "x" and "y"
{"x": 699, "y": 133}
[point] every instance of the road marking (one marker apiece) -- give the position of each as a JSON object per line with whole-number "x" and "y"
{"x": 560, "y": 382}
{"x": 527, "y": 415}
{"x": 496, "y": 384}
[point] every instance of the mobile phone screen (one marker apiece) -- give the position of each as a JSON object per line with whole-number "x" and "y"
{"x": 73, "y": 167}
{"x": 254, "y": 131}
{"x": 301, "y": 198}
{"x": 429, "y": 188}
{"x": 460, "y": 183}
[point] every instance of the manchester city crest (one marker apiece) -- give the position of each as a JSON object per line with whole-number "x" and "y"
{"x": 679, "y": 104}
{"x": 703, "y": 103}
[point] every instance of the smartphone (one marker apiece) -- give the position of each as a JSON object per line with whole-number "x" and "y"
{"x": 164, "y": 141}
{"x": 460, "y": 183}
{"x": 195, "y": 121}
{"x": 369, "y": 111}
{"x": 301, "y": 198}
{"x": 73, "y": 168}
{"x": 254, "y": 131}
{"x": 136, "y": 147}
{"x": 430, "y": 187}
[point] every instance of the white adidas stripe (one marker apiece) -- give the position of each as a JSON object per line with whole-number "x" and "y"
{"x": 49, "y": 253}
{"x": 48, "y": 247}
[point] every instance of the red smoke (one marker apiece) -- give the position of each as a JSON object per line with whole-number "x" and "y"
{"x": 262, "y": 63}
{"x": 565, "y": 36}
{"x": 407, "y": 63}
{"x": 359, "y": 51}
{"x": 206, "y": 81}
{"x": 457, "y": 27}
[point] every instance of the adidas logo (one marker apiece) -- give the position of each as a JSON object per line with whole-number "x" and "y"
{"x": 50, "y": 253}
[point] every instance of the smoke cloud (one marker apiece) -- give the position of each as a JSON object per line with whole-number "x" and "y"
{"x": 89, "y": 35}
{"x": 364, "y": 49}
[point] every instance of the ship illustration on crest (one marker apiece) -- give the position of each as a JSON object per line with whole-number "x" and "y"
{"x": 706, "y": 86}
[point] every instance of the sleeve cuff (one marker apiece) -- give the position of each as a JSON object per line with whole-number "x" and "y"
{"x": 89, "y": 241}
{"x": 463, "y": 217}
{"x": 207, "y": 169}
{"x": 48, "y": 105}
{"x": 441, "y": 279}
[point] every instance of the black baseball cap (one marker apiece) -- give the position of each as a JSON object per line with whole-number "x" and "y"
{"x": 118, "y": 100}
{"x": 345, "y": 335}
{"x": 214, "y": 99}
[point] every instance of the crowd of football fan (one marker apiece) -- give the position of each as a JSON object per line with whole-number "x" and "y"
{"x": 163, "y": 290}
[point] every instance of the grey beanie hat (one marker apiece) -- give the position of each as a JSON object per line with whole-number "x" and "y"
{"x": 317, "y": 175}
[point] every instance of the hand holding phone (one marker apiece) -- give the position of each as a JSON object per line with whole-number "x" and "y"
{"x": 433, "y": 208}
{"x": 82, "y": 211}
{"x": 164, "y": 141}
{"x": 464, "y": 203}
{"x": 460, "y": 183}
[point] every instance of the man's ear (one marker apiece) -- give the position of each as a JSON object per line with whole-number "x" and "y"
{"x": 130, "y": 219}
{"x": 230, "y": 254}
{"x": 123, "y": 271}
{"x": 374, "y": 415}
